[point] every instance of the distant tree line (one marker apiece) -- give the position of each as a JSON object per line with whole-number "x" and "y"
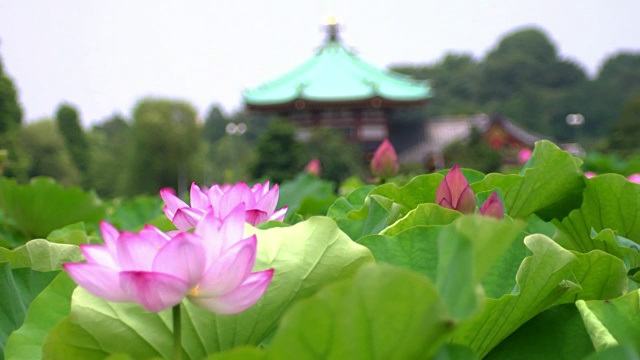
{"x": 525, "y": 79}
{"x": 164, "y": 143}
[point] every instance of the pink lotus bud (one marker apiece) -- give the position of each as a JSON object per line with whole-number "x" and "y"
{"x": 454, "y": 192}
{"x": 634, "y": 178}
{"x": 313, "y": 167}
{"x": 590, "y": 174}
{"x": 492, "y": 207}
{"x": 523, "y": 155}
{"x": 384, "y": 163}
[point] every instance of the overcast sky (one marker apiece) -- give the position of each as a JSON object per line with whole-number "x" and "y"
{"x": 104, "y": 55}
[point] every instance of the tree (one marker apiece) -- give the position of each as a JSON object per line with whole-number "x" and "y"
{"x": 166, "y": 141}
{"x": 10, "y": 122}
{"x": 618, "y": 81}
{"x": 626, "y": 132}
{"x": 75, "y": 139}
{"x": 44, "y": 145}
{"x": 214, "y": 125}
{"x": 339, "y": 159}
{"x": 279, "y": 155}
{"x": 454, "y": 80}
{"x": 110, "y": 144}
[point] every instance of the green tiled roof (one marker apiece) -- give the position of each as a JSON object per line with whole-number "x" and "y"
{"x": 336, "y": 74}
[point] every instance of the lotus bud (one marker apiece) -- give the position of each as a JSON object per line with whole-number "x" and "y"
{"x": 384, "y": 163}
{"x": 523, "y": 155}
{"x": 590, "y": 174}
{"x": 313, "y": 167}
{"x": 634, "y": 178}
{"x": 454, "y": 192}
{"x": 492, "y": 207}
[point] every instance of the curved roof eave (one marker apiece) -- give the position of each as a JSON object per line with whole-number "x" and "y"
{"x": 336, "y": 74}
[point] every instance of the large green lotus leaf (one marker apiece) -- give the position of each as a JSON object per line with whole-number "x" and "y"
{"x": 307, "y": 195}
{"x": 383, "y": 312}
{"x": 133, "y": 214}
{"x": 74, "y": 234}
{"x": 456, "y": 257}
{"x": 420, "y": 190}
{"x": 557, "y": 333}
{"x": 305, "y": 257}
{"x": 415, "y": 248}
{"x": 550, "y": 187}
{"x": 612, "y": 322}
{"x": 542, "y": 279}
{"x": 424, "y": 214}
{"x": 610, "y": 202}
{"x": 18, "y": 288}
{"x": 41, "y": 255}
{"x": 49, "y": 307}
{"x": 354, "y": 201}
{"x": 600, "y": 275}
{"x": 44, "y": 205}
{"x": 373, "y": 217}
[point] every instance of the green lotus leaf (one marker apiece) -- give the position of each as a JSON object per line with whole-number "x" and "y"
{"x": 383, "y": 312}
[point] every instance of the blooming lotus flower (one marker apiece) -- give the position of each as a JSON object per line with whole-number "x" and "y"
{"x": 259, "y": 201}
{"x": 384, "y": 163}
{"x": 492, "y": 207}
{"x": 211, "y": 266}
{"x": 635, "y": 178}
{"x": 454, "y": 192}
{"x": 313, "y": 167}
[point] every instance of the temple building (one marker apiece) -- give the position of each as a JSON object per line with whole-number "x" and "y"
{"x": 336, "y": 89}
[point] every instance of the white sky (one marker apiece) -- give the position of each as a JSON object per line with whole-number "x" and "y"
{"x": 104, "y": 55}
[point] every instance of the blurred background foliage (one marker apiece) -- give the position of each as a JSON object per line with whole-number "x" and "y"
{"x": 164, "y": 143}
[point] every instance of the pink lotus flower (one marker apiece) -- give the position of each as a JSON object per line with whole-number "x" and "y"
{"x": 260, "y": 203}
{"x": 313, "y": 167}
{"x": 634, "y": 178}
{"x": 384, "y": 163}
{"x": 492, "y": 207}
{"x": 590, "y": 174}
{"x": 454, "y": 192}
{"x": 211, "y": 267}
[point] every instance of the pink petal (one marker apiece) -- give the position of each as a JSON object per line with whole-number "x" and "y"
{"x": 135, "y": 252}
{"x": 229, "y": 270}
{"x": 110, "y": 235}
{"x": 183, "y": 257}
{"x": 154, "y": 291}
{"x": 240, "y": 193}
{"x": 99, "y": 280}
{"x": 208, "y": 229}
{"x": 269, "y": 201}
{"x": 443, "y": 194}
{"x": 240, "y": 299}
{"x": 199, "y": 198}
{"x": 255, "y": 216}
{"x": 154, "y": 235}
{"x": 467, "y": 201}
{"x": 215, "y": 194}
{"x": 99, "y": 254}
{"x": 186, "y": 218}
{"x": 279, "y": 215}
{"x": 232, "y": 229}
{"x": 171, "y": 200}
